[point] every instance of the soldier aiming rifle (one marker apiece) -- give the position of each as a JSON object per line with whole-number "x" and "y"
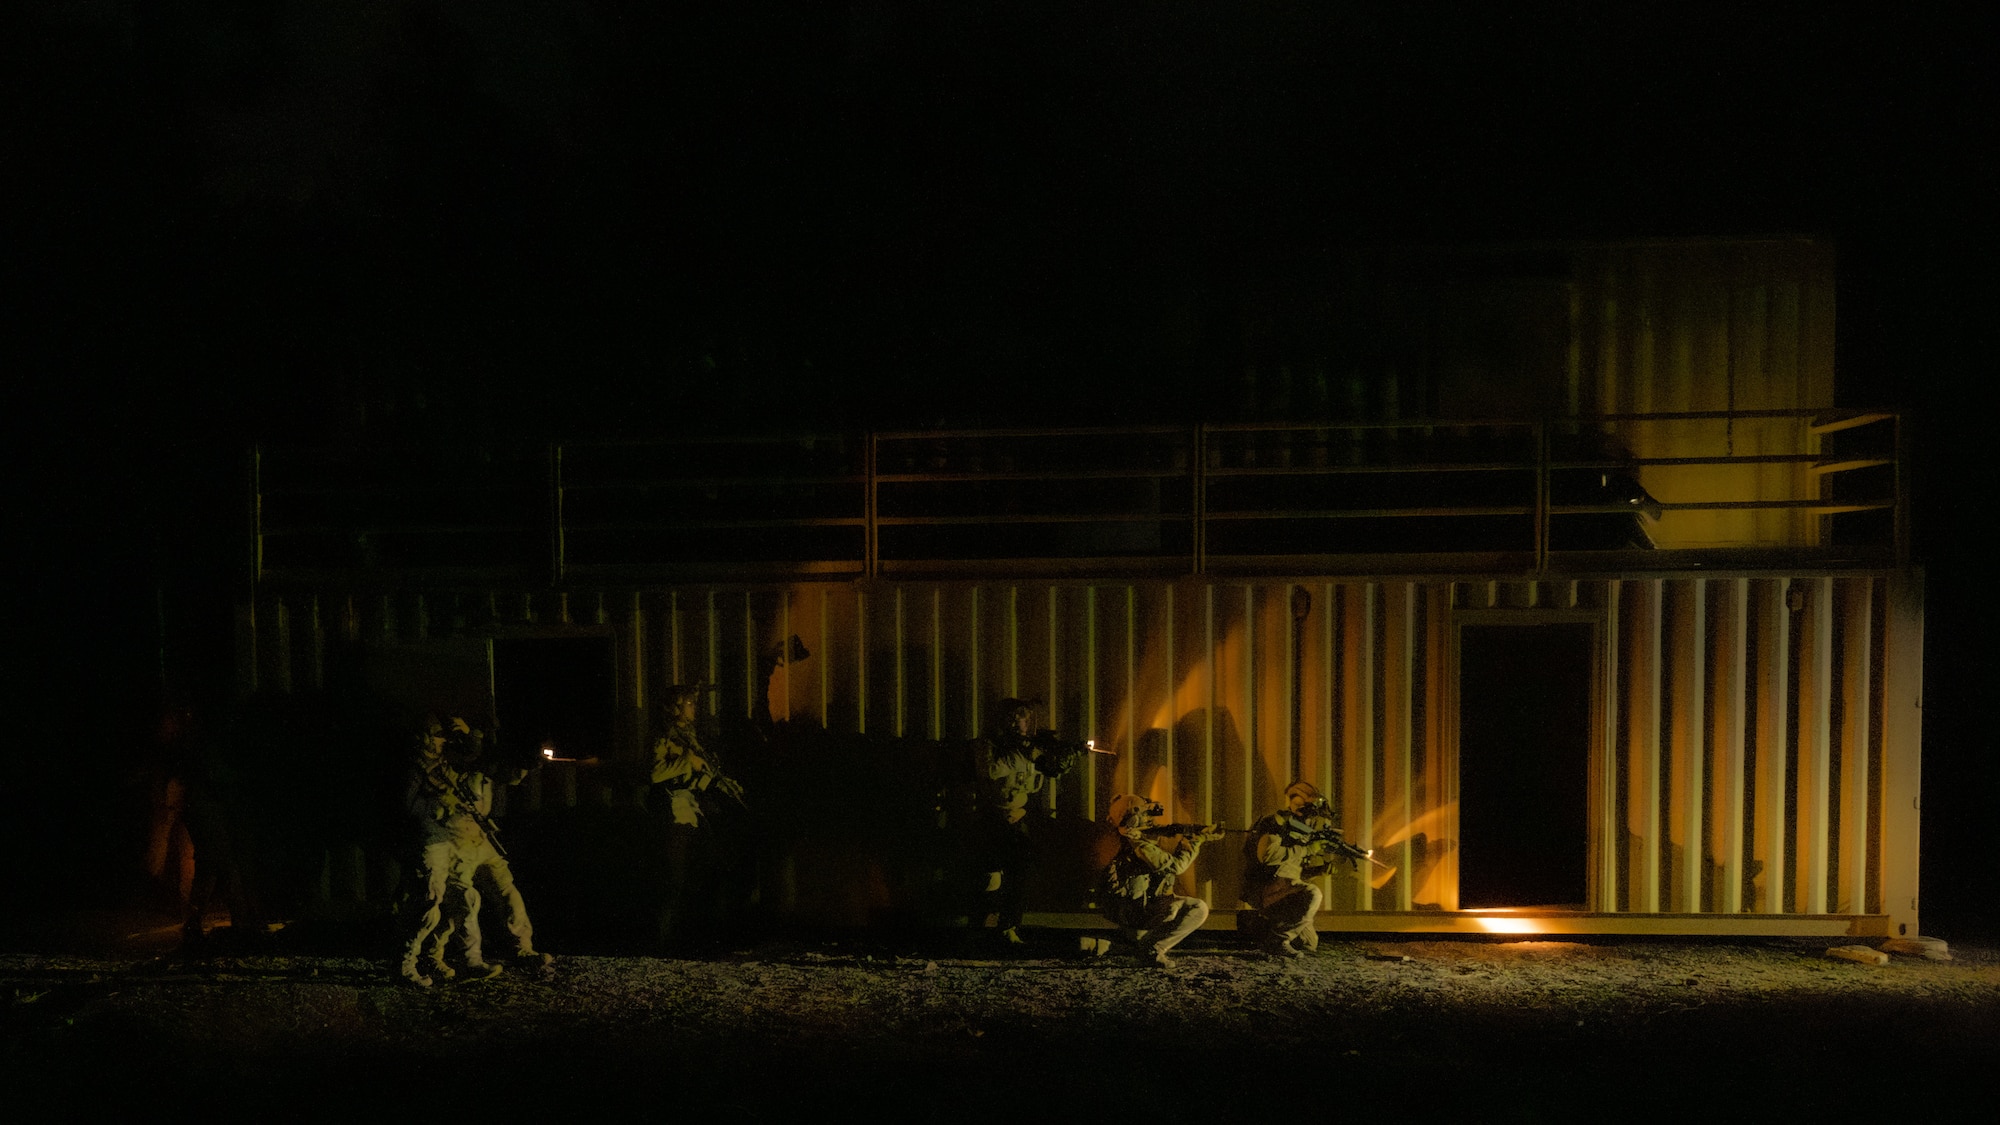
{"x": 1012, "y": 764}
{"x": 696, "y": 893}
{"x": 451, "y": 789}
{"x": 453, "y": 801}
{"x": 1283, "y": 850}
{"x": 1138, "y": 884}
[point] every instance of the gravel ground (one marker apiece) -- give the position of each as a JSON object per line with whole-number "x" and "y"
{"x": 927, "y": 1028}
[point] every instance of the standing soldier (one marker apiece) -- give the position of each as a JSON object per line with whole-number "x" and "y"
{"x": 1284, "y": 849}
{"x": 1138, "y": 886}
{"x": 433, "y": 799}
{"x": 683, "y": 773}
{"x": 451, "y": 801}
{"x": 1009, "y": 767}
{"x": 477, "y": 860}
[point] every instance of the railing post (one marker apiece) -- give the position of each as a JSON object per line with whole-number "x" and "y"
{"x": 247, "y": 656}
{"x": 1900, "y": 481}
{"x": 1541, "y": 497}
{"x": 256, "y": 516}
{"x": 558, "y": 547}
{"x": 1198, "y": 498}
{"x": 871, "y": 532}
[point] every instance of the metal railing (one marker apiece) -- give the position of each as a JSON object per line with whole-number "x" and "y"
{"x": 1605, "y": 492}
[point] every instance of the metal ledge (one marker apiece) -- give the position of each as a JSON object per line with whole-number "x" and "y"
{"x": 1532, "y": 920}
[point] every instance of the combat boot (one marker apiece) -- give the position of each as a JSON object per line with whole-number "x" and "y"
{"x": 1282, "y": 949}
{"x": 409, "y": 972}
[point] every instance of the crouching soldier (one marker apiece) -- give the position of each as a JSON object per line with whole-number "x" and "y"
{"x": 1138, "y": 885}
{"x": 1284, "y": 849}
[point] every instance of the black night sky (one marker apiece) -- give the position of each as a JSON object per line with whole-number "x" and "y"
{"x": 236, "y": 220}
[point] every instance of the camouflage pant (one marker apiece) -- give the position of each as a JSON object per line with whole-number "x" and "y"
{"x": 1158, "y": 925}
{"x": 429, "y": 904}
{"x": 1287, "y": 915}
{"x": 468, "y": 863}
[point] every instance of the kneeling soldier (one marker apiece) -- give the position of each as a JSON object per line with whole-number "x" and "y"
{"x": 1138, "y": 884}
{"x": 1286, "y": 848}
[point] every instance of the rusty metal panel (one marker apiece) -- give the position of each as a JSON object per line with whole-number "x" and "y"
{"x": 1774, "y": 685}
{"x": 1901, "y": 739}
{"x": 1269, "y": 767}
{"x": 1437, "y": 775}
{"x": 1714, "y": 327}
{"x": 1318, "y": 659}
{"x": 1753, "y": 747}
{"x": 1399, "y": 636}
{"x": 1855, "y": 778}
{"x": 1083, "y": 624}
{"x": 1320, "y": 710}
{"x": 1358, "y": 626}
{"x": 1686, "y": 720}
{"x": 1643, "y": 711}
{"x": 1815, "y": 752}
{"x": 1602, "y": 885}
{"x": 1729, "y": 609}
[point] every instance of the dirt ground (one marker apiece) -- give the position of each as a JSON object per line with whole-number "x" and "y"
{"x": 931, "y": 1027}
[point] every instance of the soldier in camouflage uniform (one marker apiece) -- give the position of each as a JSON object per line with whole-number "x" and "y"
{"x": 477, "y": 862}
{"x": 1009, "y": 767}
{"x": 683, "y": 769}
{"x": 684, "y": 773}
{"x": 1138, "y": 885}
{"x": 451, "y": 800}
{"x": 433, "y": 799}
{"x": 1285, "y": 849}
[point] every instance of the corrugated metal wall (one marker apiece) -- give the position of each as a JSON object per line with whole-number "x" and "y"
{"x": 1754, "y": 742}
{"x": 1711, "y": 326}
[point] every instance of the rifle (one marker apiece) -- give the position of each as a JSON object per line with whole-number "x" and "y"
{"x": 1060, "y": 755}
{"x": 1331, "y": 839}
{"x": 732, "y": 790}
{"x": 453, "y": 786}
{"x": 1198, "y": 833}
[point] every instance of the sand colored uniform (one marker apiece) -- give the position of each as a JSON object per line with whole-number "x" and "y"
{"x": 473, "y": 854}
{"x": 434, "y": 798}
{"x": 1007, "y": 777}
{"x": 682, "y": 770}
{"x": 1138, "y": 888}
{"x": 695, "y": 898}
{"x": 1276, "y": 865}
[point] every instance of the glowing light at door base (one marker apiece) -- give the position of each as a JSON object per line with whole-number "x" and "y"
{"x": 1505, "y": 923}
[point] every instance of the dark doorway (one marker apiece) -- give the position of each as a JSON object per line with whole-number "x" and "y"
{"x": 1523, "y": 764}
{"x": 554, "y": 692}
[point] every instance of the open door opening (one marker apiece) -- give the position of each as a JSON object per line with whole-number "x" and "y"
{"x": 553, "y": 697}
{"x": 1523, "y": 759}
